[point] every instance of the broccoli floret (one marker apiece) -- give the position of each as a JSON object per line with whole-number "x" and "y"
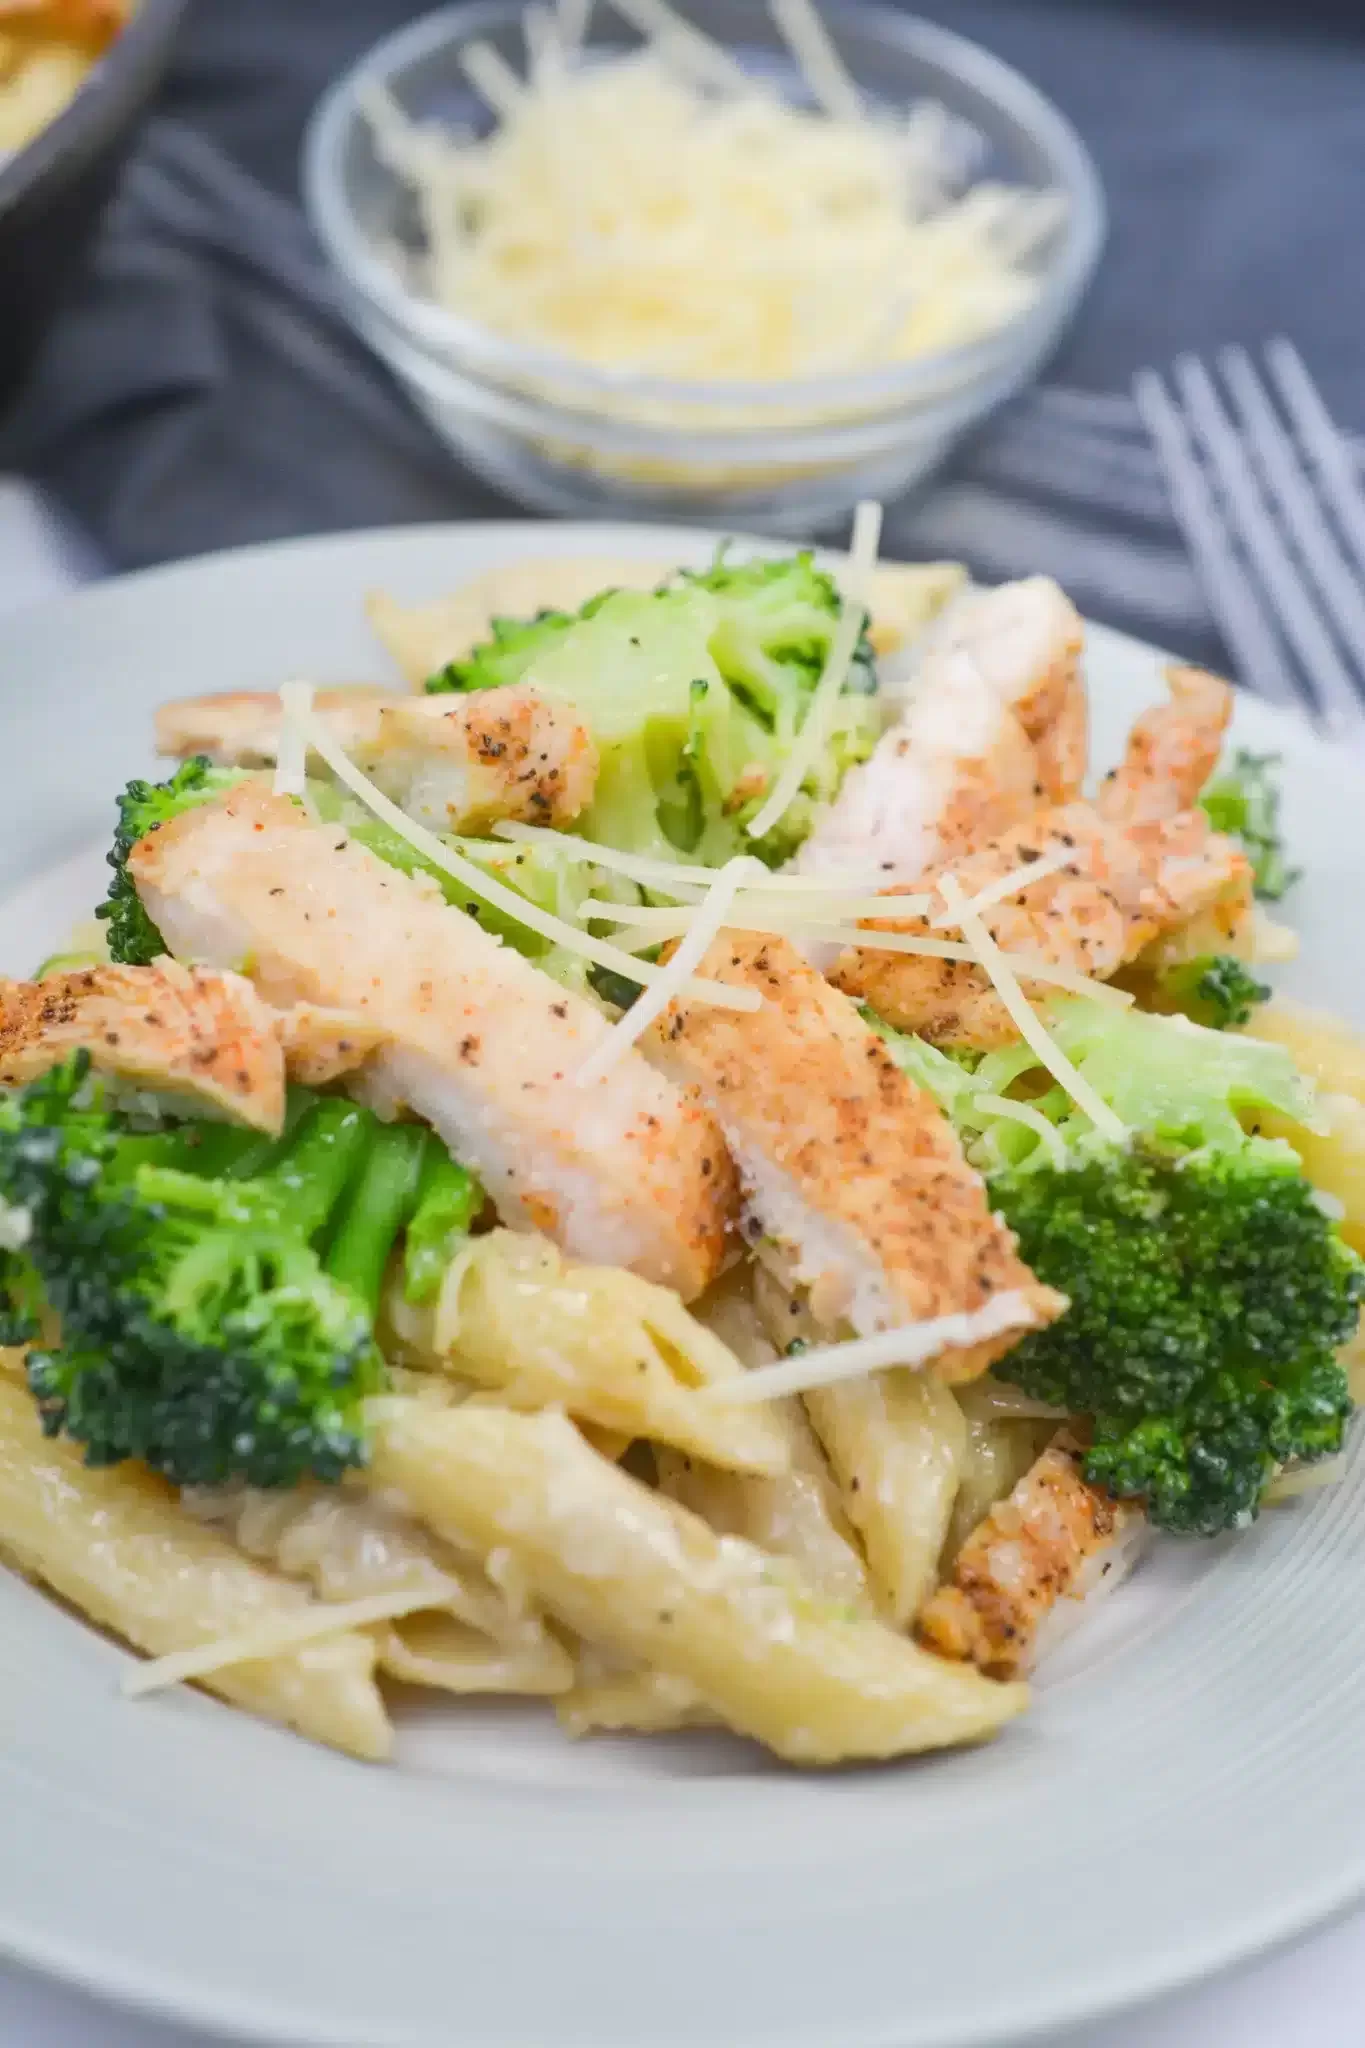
{"x": 512, "y": 646}
{"x": 1209, "y": 1291}
{"x": 1209, "y": 1295}
{"x": 694, "y": 694}
{"x": 144, "y": 807}
{"x": 777, "y": 619}
{"x": 1215, "y": 990}
{"x": 1244, "y": 802}
{"x": 215, "y": 1292}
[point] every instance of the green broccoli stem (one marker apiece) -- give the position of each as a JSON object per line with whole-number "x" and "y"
{"x": 448, "y": 1200}
{"x": 318, "y": 1162}
{"x": 375, "y": 1211}
{"x": 305, "y": 1172}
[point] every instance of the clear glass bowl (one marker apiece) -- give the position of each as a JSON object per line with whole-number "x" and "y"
{"x": 570, "y": 438}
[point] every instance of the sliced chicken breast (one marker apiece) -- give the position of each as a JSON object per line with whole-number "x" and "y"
{"x": 458, "y": 764}
{"x": 956, "y": 771}
{"x": 1026, "y": 640}
{"x": 1054, "y": 1539}
{"x": 628, "y": 1171}
{"x": 1172, "y": 751}
{"x": 241, "y": 728}
{"x": 846, "y": 1166}
{"x": 196, "y": 1036}
{"x": 1122, "y": 886}
{"x": 995, "y": 727}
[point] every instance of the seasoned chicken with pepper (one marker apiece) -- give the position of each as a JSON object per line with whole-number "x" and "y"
{"x": 188, "y": 1033}
{"x": 1119, "y": 888}
{"x": 457, "y": 764}
{"x": 851, "y": 1171}
{"x": 477, "y": 1041}
{"x": 1141, "y": 861}
{"x": 995, "y": 727}
{"x": 1052, "y": 1540}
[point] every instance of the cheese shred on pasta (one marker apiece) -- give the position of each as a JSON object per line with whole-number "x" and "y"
{"x": 277, "y": 1638}
{"x": 913, "y": 1344}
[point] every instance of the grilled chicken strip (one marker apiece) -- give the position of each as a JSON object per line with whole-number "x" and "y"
{"x": 956, "y": 771}
{"x": 1026, "y": 639}
{"x": 480, "y": 1043}
{"x": 995, "y": 727}
{"x": 1172, "y": 751}
{"x": 241, "y": 728}
{"x": 458, "y": 764}
{"x": 201, "y": 1037}
{"x": 853, "y": 1171}
{"x": 1052, "y": 1540}
{"x": 1122, "y": 886}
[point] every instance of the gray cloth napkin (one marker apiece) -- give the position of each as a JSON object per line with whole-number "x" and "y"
{"x": 205, "y": 390}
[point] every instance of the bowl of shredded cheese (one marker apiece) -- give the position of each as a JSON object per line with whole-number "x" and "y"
{"x": 747, "y": 264}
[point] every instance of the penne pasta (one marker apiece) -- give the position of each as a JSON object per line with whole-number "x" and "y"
{"x": 348, "y": 1545}
{"x": 1333, "y": 1156}
{"x": 433, "y": 1649}
{"x": 632, "y": 1571}
{"x": 616, "y": 1351}
{"x": 640, "y": 1702}
{"x": 998, "y": 1451}
{"x": 165, "y": 1583}
{"x": 797, "y": 1515}
{"x": 895, "y": 1441}
{"x": 1322, "y": 1046}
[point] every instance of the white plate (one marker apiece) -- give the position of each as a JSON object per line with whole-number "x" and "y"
{"x": 1187, "y": 1788}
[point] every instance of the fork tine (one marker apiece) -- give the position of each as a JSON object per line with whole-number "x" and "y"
{"x": 1320, "y": 439}
{"x": 1251, "y": 639}
{"x": 1337, "y": 697}
{"x": 1337, "y": 583}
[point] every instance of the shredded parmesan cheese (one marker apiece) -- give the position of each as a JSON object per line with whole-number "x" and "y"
{"x": 1031, "y": 1027}
{"x": 663, "y": 874}
{"x": 276, "y": 1638}
{"x": 666, "y": 213}
{"x": 671, "y": 980}
{"x": 809, "y": 743}
{"x": 291, "y": 760}
{"x": 808, "y": 40}
{"x": 649, "y": 925}
{"x": 685, "y": 45}
{"x": 913, "y": 1344}
{"x": 493, "y": 77}
{"x": 1012, "y": 884}
{"x": 295, "y": 699}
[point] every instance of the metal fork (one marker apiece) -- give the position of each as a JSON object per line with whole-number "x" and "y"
{"x": 1271, "y": 507}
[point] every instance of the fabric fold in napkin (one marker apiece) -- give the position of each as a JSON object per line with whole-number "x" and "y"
{"x": 205, "y": 388}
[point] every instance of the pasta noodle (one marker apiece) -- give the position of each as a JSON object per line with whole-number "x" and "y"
{"x": 615, "y": 1350}
{"x": 632, "y": 1571}
{"x": 347, "y": 1545}
{"x": 896, "y": 1442}
{"x": 165, "y": 1583}
{"x": 643, "y": 1702}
